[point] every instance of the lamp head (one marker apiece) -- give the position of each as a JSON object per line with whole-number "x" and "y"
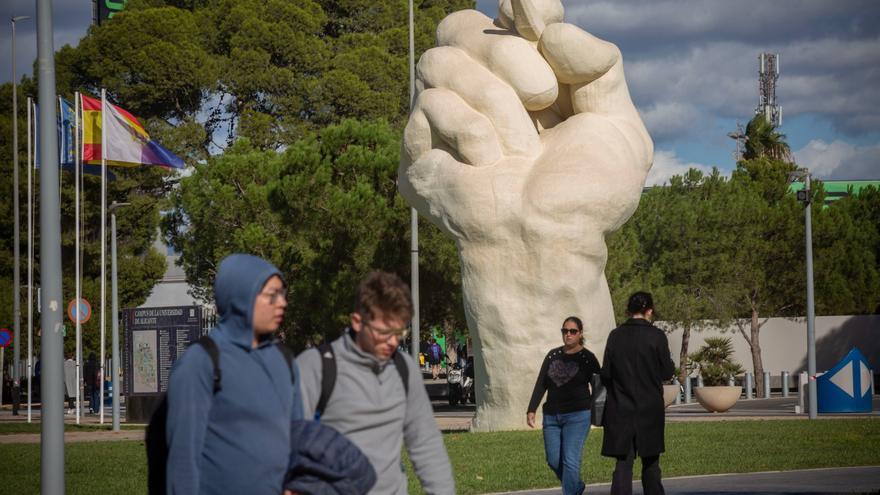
{"x": 797, "y": 175}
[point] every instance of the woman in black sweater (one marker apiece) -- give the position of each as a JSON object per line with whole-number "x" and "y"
{"x": 565, "y": 377}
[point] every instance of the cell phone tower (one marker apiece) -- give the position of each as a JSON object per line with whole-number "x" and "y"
{"x": 767, "y": 76}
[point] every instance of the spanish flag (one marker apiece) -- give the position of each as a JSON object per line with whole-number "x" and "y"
{"x": 128, "y": 144}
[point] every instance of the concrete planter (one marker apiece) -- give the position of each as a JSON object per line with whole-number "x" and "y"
{"x": 670, "y": 392}
{"x": 719, "y": 398}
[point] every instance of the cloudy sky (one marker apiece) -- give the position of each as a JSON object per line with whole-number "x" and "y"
{"x": 692, "y": 69}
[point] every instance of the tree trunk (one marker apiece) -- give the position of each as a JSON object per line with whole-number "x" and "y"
{"x": 755, "y": 346}
{"x": 683, "y": 354}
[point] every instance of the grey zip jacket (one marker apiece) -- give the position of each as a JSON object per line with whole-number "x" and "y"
{"x": 371, "y": 408}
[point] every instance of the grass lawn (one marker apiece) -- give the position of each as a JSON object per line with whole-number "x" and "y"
{"x": 489, "y": 462}
{"x": 492, "y": 462}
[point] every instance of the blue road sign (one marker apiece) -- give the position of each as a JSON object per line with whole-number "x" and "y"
{"x": 83, "y": 310}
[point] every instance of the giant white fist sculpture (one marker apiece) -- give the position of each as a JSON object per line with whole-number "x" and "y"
{"x": 525, "y": 147}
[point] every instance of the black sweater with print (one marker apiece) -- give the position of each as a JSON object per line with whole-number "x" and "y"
{"x": 566, "y": 380}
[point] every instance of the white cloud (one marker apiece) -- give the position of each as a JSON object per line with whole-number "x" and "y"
{"x": 669, "y": 119}
{"x": 840, "y": 160}
{"x": 666, "y": 20}
{"x": 667, "y": 164}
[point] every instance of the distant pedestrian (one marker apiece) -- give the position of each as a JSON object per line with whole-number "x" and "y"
{"x": 636, "y": 363}
{"x": 435, "y": 355}
{"x": 70, "y": 382}
{"x": 90, "y": 380}
{"x": 451, "y": 355}
{"x": 565, "y": 377}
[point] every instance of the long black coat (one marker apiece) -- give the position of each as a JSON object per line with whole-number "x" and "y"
{"x": 636, "y": 362}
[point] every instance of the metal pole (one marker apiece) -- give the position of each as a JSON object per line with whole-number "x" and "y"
{"x": 2, "y": 372}
{"x": 77, "y": 283}
{"x": 30, "y": 283}
{"x": 811, "y": 311}
{"x": 766, "y": 384}
{"x": 103, "y": 253}
{"x": 16, "y": 280}
{"x": 115, "y": 311}
{"x": 785, "y": 379}
{"x": 678, "y": 395}
{"x": 687, "y": 389}
{"x": 749, "y": 385}
{"x": 51, "y": 343}
{"x": 414, "y": 215}
{"x": 803, "y": 377}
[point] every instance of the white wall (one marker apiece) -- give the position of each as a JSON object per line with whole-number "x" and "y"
{"x": 784, "y": 342}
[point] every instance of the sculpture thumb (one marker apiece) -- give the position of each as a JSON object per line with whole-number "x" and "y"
{"x": 593, "y": 69}
{"x": 575, "y": 55}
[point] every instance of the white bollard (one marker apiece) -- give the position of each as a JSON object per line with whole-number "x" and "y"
{"x": 803, "y": 389}
{"x": 785, "y": 383}
{"x": 749, "y": 385}
{"x": 687, "y": 390}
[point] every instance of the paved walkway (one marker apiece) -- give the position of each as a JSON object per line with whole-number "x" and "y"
{"x": 830, "y": 481}
{"x": 77, "y": 436}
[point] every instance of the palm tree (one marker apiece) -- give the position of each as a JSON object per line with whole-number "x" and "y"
{"x": 763, "y": 140}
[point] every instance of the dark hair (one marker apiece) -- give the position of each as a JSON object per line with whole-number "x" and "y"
{"x": 639, "y": 303}
{"x": 385, "y": 293}
{"x": 577, "y": 321}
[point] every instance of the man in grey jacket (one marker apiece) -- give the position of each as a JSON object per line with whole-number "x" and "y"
{"x": 369, "y": 403}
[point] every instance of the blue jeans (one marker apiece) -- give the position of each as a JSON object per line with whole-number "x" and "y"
{"x": 564, "y": 438}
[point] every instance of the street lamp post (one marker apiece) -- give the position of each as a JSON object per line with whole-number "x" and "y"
{"x": 805, "y": 196}
{"x": 414, "y": 215}
{"x": 114, "y": 369}
{"x": 16, "y": 282}
{"x": 51, "y": 319}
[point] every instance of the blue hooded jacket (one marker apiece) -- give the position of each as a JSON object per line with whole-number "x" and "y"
{"x": 239, "y": 439}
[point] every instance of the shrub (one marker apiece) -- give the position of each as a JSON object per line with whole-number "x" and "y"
{"x": 714, "y": 361}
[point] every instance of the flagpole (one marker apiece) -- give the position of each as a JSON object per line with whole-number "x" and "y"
{"x": 62, "y": 148}
{"x": 30, "y": 289}
{"x": 103, "y": 247}
{"x": 77, "y": 283}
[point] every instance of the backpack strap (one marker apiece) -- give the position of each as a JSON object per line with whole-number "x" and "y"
{"x": 328, "y": 377}
{"x": 400, "y": 364}
{"x": 213, "y": 351}
{"x": 288, "y": 356}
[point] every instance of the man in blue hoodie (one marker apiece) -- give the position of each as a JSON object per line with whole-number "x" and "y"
{"x": 236, "y": 440}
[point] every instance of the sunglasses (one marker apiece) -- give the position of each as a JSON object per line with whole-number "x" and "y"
{"x": 570, "y": 331}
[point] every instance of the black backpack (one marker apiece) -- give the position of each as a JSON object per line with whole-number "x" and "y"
{"x": 155, "y": 440}
{"x": 328, "y": 375}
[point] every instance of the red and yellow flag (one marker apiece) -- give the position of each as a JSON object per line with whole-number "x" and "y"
{"x": 128, "y": 144}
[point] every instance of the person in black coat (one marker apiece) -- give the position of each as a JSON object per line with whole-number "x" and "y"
{"x": 637, "y": 361}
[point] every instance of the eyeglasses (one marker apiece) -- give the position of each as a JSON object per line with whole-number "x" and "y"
{"x": 275, "y": 295}
{"x": 570, "y": 331}
{"x": 387, "y": 333}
